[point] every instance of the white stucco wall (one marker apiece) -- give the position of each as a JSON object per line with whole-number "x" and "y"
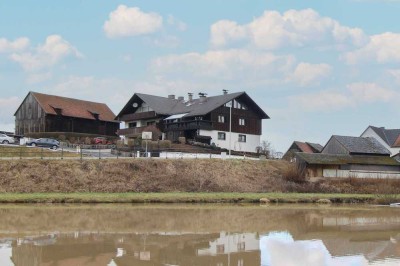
{"x": 252, "y": 141}
{"x": 369, "y": 132}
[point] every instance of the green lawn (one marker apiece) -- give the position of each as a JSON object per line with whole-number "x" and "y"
{"x": 25, "y": 152}
{"x": 191, "y": 198}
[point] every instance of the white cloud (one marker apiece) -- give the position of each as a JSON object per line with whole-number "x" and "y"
{"x": 382, "y": 48}
{"x": 225, "y": 31}
{"x": 178, "y": 24}
{"x": 131, "y": 21}
{"x": 297, "y": 28}
{"x": 358, "y": 93}
{"x": 19, "y": 44}
{"x": 307, "y": 74}
{"x": 321, "y": 101}
{"x": 50, "y": 53}
{"x": 225, "y": 65}
{"x": 371, "y": 92}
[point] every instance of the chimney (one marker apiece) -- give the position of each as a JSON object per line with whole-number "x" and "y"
{"x": 181, "y": 99}
{"x": 225, "y": 92}
{"x": 202, "y": 96}
{"x": 190, "y": 96}
{"x": 171, "y": 96}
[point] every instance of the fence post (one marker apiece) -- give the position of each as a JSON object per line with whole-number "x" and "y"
{"x": 80, "y": 150}
{"x": 99, "y": 154}
{"x": 62, "y": 153}
{"x": 117, "y": 151}
{"x": 41, "y": 154}
{"x": 20, "y": 153}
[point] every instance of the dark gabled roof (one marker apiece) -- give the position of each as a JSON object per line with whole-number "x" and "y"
{"x": 73, "y": 107}
{"x": 390, "y": 136}
{"x": 316, "y": 146}
{"x": 167, "y": 106}
{"x": 360, "y": 145}
{"x": 340, "y": 159}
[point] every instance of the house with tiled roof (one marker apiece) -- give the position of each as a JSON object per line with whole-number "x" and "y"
{"x": 346, "y": 156}
{"x": 229, "y": 120}
{"x": 298, "y": 146}
{"x": 43, "y": 113}
{"x": 389, "y": 138}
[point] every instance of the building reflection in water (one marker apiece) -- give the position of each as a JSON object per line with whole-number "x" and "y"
{"x": 319, "y": 237}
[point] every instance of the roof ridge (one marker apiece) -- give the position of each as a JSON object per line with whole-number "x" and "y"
{"x": 69, "y": 98}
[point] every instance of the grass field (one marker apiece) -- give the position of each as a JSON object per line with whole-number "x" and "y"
{"x": 25, "y": 152}
{"x": 194, "y": 198}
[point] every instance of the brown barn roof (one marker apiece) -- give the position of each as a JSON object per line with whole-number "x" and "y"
{"x": 304, "y": 147}
{"x": 74, "y": 107}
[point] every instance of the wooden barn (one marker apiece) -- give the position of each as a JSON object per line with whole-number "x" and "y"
{"x": 40, "y": 113}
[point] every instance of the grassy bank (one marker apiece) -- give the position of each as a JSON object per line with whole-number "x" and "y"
{"x": 131, "y": 178}
{"x": 194, "y": 198}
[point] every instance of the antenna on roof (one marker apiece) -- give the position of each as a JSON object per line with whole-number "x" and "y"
{"x": 225, "y": 91}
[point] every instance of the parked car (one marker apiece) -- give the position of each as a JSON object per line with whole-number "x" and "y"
{"x": 44, "y": 142}
{"x": 99, "y": 140}
{"x": 4, "y": 139}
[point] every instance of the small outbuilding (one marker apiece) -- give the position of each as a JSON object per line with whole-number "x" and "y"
{"x": 345, "y": 156}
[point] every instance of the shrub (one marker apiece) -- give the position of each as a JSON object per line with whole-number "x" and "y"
{"x": 292, "y": 174}
{"x": 61, "y": 138}
{"x": 72, "y": 140}
{"x": 88, "y": 141}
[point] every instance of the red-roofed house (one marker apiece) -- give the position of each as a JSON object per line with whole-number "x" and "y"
{"x": 48, "y": 113}
{"x": 305, "y": 147}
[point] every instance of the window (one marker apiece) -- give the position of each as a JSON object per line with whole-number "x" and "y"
{"x": 242, "y": 122}
{"x": 221, "y": 248}
{"x": 242, "y": 138}
{"x": 221, "y": 136}
{"x": 241, "y": 246}
{"x": 132, "y": 124}
{"x": 151, "y": 123}
{"x": 221, "y": 119}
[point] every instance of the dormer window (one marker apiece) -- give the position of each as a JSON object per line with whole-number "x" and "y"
{"x": 95, "y": 115}
{"x": 57, "y": 109}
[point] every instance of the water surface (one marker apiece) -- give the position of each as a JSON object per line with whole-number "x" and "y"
{"x": 220, "y": 235}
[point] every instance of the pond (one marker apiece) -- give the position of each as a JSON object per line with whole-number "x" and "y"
{"x": 219, "y": 235}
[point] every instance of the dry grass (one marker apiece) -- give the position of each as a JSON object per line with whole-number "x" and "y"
{"x": 141, "y": 175}
{"x": 23, "y": 152}
{"x": 169, "y": 176}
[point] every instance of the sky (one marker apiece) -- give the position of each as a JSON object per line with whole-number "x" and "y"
{"x": 317, "y": 68}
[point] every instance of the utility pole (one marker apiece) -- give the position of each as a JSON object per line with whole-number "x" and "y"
{"x": 230, "y": 128}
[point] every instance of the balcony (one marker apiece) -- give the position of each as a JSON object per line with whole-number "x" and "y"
{"x": 187, "y": 125}
{"x": 130, "y": 132}
{"x": 138, "y": 116}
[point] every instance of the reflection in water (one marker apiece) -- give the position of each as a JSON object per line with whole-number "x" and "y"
{"x": 223, "y": 235}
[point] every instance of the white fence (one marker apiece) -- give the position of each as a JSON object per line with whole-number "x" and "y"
{"x": 336, "y": 173}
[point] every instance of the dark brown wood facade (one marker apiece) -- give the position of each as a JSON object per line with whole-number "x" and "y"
{"x": 252, "y": 120}
{"x": 31, "y": 118}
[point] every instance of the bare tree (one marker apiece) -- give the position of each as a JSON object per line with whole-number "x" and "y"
{"x": 265, "y": 149}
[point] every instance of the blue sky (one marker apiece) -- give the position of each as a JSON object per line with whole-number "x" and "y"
{"x": 316, "y": 67}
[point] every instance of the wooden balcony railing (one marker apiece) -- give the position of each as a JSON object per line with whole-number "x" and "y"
{"x": 138, "y": 116}
{"x": 186, "y": 125}
{"x": 133, "y": 131}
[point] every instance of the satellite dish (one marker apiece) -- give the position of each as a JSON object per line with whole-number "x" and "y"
{"x": 135, "y": 105}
